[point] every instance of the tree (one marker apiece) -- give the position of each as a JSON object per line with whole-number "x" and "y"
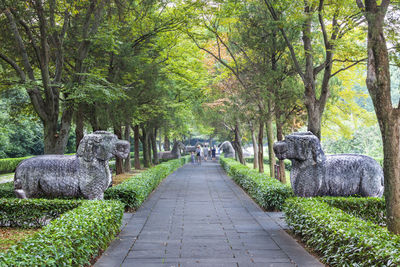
{"x": 40, "y": 35}
{"x": 378, "y": 83}
{"x": 343, "y": 19}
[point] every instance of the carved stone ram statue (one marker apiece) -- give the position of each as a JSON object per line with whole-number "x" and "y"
{"x": 227, "y": 149}
{"x": 85, "y": 174}
{"x": 314, "y": 174}
{"x": 175, "y": 153}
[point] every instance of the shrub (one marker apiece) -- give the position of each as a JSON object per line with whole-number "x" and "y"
{"x": 133, "y": 191}
{"x": 367, "y": 208}
{"x": 9, "y": 165}
{"x": 380, "y": 161}
{"x": 7, "y": 190}
{"x": 32, "y": 213}
{"x": 71, "y": 240}
{"x": 268, "y": 192}
{"x": 340, "y": 238}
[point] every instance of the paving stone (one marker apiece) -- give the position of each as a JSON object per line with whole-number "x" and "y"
{"x": 200, "y": 217}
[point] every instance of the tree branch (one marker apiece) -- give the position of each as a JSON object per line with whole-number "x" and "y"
{"x": 218, "y": 59}
{"x": 20, "y": 44}
{"x": 288, "y": 43}
{"x": 13, "y": 64}
{"x": 360, "y": 5}
{"x": 348, "y": 67}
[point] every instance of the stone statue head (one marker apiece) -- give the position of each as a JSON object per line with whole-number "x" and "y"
{"x": 103, "y": 146}
{"x": 300, "y": 146}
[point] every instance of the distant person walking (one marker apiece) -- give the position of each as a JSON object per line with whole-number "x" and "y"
{"x": 205, "y": 152}
{"x": 193, "y": 158}
{"x": 198, "y": 154}
{"x": 213, "y": 150}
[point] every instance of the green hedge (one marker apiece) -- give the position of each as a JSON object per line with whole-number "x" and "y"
{"x": 340, "y": 238}
{"x": 9, "y": 165}
{"x": 380, "y": 161}
{"x": 33, "y": 213}
{"x": 134, "y": 191}
{"x": 71, "y": 240}
{"x": 7, "y": 190}
{"x": 368, "y": 208}
{"x": 268, "y": 192}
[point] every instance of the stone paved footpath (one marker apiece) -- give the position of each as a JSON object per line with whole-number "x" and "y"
{"x": 199, "y": 217}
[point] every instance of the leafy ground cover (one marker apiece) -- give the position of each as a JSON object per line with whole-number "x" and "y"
{"x": 10, "y": 236}
{"x": 344, "y": 231}
{"x": 268, "y": 192}
{"x": 266, "y": 170}
{"x": 72, "y": 239}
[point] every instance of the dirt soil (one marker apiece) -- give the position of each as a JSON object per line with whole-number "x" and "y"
{"x": 117, "y": 179}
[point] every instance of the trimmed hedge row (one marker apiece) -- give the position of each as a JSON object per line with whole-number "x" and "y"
{"x": 268, "y": 192}
{"x": 134, "y": 191}
{"x": 367, "y": 208}
{"x": 33, "y": 213}
{"x": 340, "y": 238}
{"x": 71, "y": 240}
{"x": 8, "y": 165}
{"x": 7, "y": 190}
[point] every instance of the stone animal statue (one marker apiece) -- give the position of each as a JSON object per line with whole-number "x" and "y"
{"x": 175, "y": 153}
{"x": 314, "y": 174}
{"x": 189, "y": 149}
{"x": 85, "y": 174}
{"x": 227, "y": 149}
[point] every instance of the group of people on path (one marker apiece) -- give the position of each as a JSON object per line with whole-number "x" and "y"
{"x": 203, "y": 153}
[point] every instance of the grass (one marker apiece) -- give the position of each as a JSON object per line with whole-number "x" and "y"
{"x": 10, "y": 236}
{"x": 266, "y": 170}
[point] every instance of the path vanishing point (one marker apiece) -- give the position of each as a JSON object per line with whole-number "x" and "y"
{"x": 199, "y": 217}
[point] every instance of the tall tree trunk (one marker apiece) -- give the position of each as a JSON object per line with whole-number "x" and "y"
{"x": 237, "y": 144}
{"x": 127, "y": 135}
{"x": 270, "y": 139}
{"x": 55, "y": 139}
{"x": 136, "y": 136}
{"x": 378, "y": 83}
{"x": 118, "y": 161}
{"x": 279, "y": 137}
{"x": 145, "y": 138}
{"x": 314, "y": 119}
{"x": 159, "y": 140}
{"x": 261, "y": 148}
{"x": 255, "y": 147}
{"x": 154, "y": 145}
{"x": 308, "y": 72}
{"x": 79, "y": 127}
{"x": 167, "y": 143}
{"x": 149, "y": 146}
